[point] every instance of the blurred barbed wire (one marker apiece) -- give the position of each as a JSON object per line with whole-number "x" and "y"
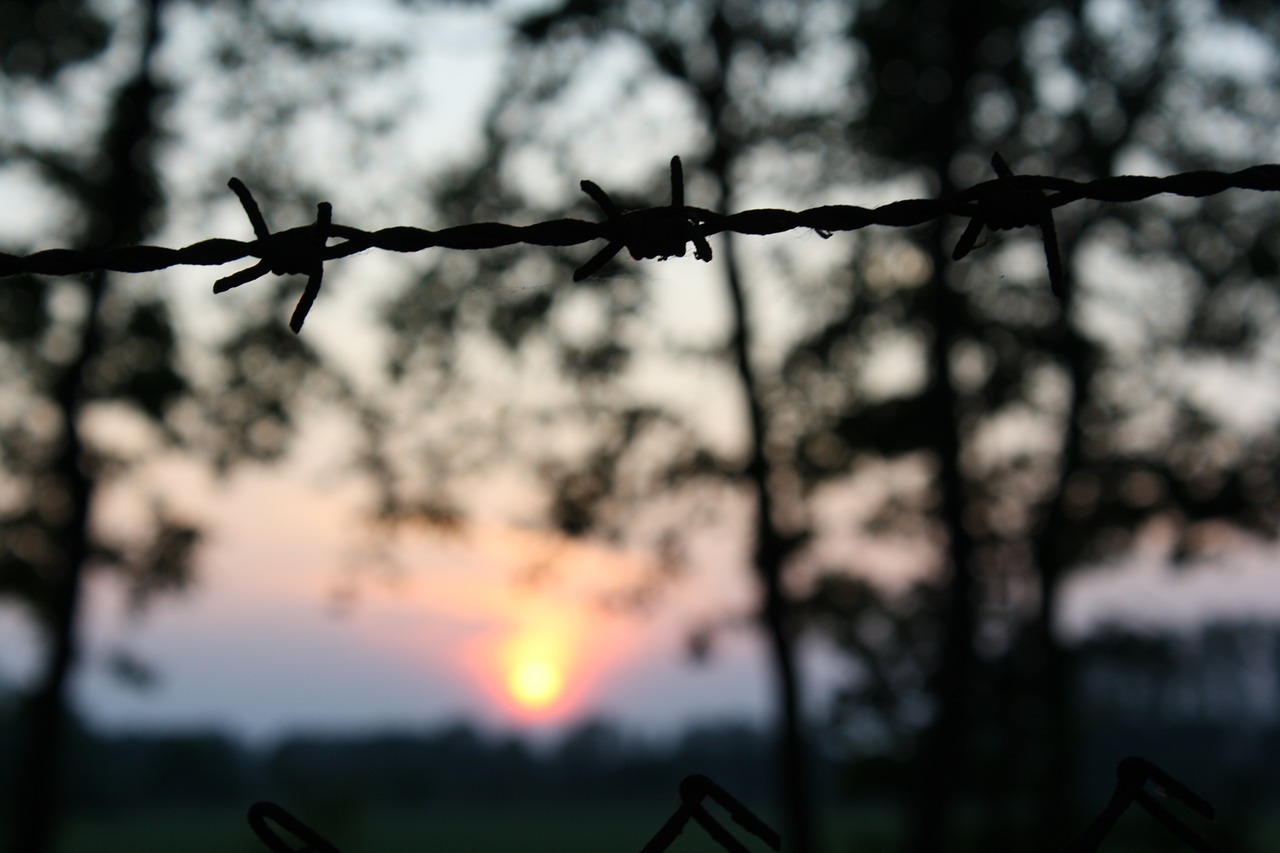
{"x": 1133, "y": 775}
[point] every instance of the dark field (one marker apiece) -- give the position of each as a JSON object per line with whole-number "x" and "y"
{"x": 568, "y": 830}
{"x": 624, "y": 830}
{"x": 598, "y": 791}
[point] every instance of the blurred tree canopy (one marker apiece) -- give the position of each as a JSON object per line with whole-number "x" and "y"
{"x": 910, "y": 455}
{"x": 615, "y": 455}
{"x": 98, "y": 383}
{"x": 1060, "y": 435}
{"x": 951, "y": 421}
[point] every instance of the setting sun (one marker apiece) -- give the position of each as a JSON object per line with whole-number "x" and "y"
{"x": 541, "y": 654}
{"x": 534, "y": 684}
{"x": 537, "y": 672}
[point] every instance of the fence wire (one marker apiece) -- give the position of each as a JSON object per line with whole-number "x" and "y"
{"x": 275, "y": 826}
{"x": 1006, "y": 202}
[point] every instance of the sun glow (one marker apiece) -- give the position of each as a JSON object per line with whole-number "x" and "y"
{"x": 541, "y": 653}
{"x": 535, "y": 684}
{"x": 535, "y": 668}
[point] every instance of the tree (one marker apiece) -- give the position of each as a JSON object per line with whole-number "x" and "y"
{"x": 933, "y": 91}
{"x": 1037, "y": 418}
{"x": 613, "y": 463}
{"x": 48, "y": 525}
{"x": 941, "y": 89}
{"x": 92, "y": 362}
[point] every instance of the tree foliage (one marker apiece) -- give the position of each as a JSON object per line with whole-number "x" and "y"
{"x": 99, "y": 382}
{"x": 717, "y": 81}
{"x": 863, "y": 403}
{"x": 974, "y": 426}
{"x": 1082, "y": 429}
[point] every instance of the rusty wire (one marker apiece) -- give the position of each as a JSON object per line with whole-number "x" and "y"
{"x": 1007, "y": 202}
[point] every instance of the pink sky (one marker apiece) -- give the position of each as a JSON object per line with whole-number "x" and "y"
{"x": 265, "y": 642}
{"x": 260, "y": 647}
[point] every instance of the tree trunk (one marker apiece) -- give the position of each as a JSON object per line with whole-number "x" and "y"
{"x": 938, "y": 766}
{"x": 769, "y": 560}
{"x": 772, "y": 548}
{"x": 1057, "y": 737}
{"x": 939, "y": 770}
{"x": 123, "y": 201}
{"x": 45, "y": 714}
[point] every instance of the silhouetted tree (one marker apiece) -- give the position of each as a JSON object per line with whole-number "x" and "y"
{"x": 1054, "y": 434}
{"x": 587, "y": 79}
{"x": 54, "y": 467}
{"x": 1003, "y": 437}
{"x": 97, "y": 380}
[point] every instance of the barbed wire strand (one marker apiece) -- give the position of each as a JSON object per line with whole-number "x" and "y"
{"x": 1006, "y": 202}
{"x": 1132, "y": 776}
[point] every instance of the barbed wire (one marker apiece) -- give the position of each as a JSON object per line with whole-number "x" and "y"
{"x": 274, "y": 825}
{"x": 1006, "y": 202}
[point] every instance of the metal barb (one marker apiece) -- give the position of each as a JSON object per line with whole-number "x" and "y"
{"x": 1132, "y": 775}
{"x": 263, "y": 814}
{"x": 613, "y": 220}
{"x": 297, "y": 251}
{"x": 694, "y": 790}
{"x": 651, "y": 232}
{"x": 1004, "y": 205}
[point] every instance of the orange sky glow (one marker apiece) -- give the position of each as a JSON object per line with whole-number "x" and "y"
{"x": 550, "y": 644}
{"x": 293, "y": 623}
{"x": 303, "y": 616}
{"x": 535, "y": 652}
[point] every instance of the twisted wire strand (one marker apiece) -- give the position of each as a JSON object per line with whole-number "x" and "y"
{"x": 1006, "y": 202}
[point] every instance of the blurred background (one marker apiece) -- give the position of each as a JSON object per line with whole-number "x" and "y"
{"x": 905, "y": 552}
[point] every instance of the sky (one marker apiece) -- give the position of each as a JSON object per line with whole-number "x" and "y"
{"x": 279, "y": 634}
{"x": 296, "y": 623}
{"x": 291, "y": 622}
